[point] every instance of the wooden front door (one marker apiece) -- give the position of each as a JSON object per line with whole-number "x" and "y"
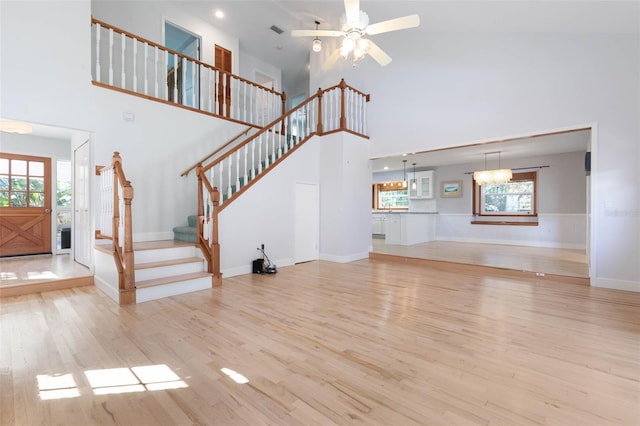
{"x": 25, "y": 205}
{"x": 223, "y": 60}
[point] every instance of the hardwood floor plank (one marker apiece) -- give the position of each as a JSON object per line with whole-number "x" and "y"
{"x": 322, "y": 343}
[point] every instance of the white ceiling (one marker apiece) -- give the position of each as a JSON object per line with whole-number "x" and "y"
{"x": 250, "y": 21}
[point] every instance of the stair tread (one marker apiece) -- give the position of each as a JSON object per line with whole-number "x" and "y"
{"x": 171, "y": 279}
{"x": 148, "y": 245}
{"x": 171, "y": 262}
{"x": 160, "y": 244}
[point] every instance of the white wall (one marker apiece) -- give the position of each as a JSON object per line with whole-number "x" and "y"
{"x": 146, "y": 19}
{"x": 265, "y": 213}
{"x": 466, "y": 88}
{"x": 249, "y": 65}
{"x": 345, "y": 198}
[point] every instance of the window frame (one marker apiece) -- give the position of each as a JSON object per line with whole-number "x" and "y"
{"x": 509, "y": 218}
{"x": 377, "y": 188}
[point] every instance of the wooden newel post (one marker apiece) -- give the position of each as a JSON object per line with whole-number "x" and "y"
{"x": 215, "y": 246}
{"x": 199, "y": 224}
{"x": 128, "y": 293}
{"x": 284, "y": 110}
{"x": 319, "y": 95}
{"x": 343, "y": 117}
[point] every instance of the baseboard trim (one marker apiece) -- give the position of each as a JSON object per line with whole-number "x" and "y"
{"x": 516, "y": 243}
{"x": 616, "y": 284}
{"x": 110, "y": 291}
{"x": 61, "y": 284}
{"x": 464, "y": 267}
{"x": 343, "y": 259}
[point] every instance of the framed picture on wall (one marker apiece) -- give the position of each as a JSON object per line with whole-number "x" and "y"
{"x": 451, "y": 189}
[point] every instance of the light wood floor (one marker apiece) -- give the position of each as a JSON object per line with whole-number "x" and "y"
{"x": 566, "y": 262}
{"x": 320, "y": 343}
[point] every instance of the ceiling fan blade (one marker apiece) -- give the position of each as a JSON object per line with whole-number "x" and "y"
{"x": 352, "y": 10}
{"x": 331, "y": 60}
{"x": 409, "y": 21}
{"x": 378, "y": 54}
{"x": 317, "y": 33}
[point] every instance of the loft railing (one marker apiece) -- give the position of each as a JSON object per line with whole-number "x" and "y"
{"x": 338, "y": 108}
{"x": 116, "y": 194}
{"x": 128, "y": 63}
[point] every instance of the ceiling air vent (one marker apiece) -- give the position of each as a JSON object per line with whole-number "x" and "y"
{"x": 276, "y": 30}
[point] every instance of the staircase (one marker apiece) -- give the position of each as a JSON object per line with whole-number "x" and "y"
{"x": 186, "y": 233}
{"x": 163, "y": 269}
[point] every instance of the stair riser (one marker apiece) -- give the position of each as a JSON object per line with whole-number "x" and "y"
{"x": 173, "y": 289}
{"x": 160, "y": 255}
{"x": 169, "y": 270}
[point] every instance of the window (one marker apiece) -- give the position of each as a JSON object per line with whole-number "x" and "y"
{"x": 22, "y": 183}
{"x": 390, "y": 196}
{"x": 516, "y": 199}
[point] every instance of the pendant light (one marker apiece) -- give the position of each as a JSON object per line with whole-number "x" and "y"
{"x": 316, "y": 45}
{"x": 498, "y": 175}
{"x": 414, "y": 183}
{"x": 404, "y": 174}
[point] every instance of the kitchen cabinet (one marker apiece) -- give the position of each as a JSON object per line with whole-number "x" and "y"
{"x": 410, "y": 228}
{"x": 421, "y": 186}
{"x": 378, "y": 224}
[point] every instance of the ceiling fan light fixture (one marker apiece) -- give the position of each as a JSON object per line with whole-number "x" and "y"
{"x": 316, "y": 46}
{"x": 348, "y": 44}
{"x": 363, "y": 44}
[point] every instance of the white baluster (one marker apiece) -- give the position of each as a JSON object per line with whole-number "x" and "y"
{"x": 122, "y": 74}
{"x": 135, "y": 54}
{"x": 259, "y": 138}
{"x": 146, "y": 68}
{"x": 98, "y": 76}
{"x": 175, "y": 78}
{"x": 253, "y": 159}
{"x": 215, "y": 91}
{"x": 184, "y": 64}
{"x": 220, "y": 187}
{"x": 229, "y": 189}
{"x": 193, "y": 85}
{"x": 164, "y": 74}
{"x": 111, "y": 56}
{"x": 155, "y": 73}
{"x": 238, "y": 170}
{"x": 246, "y": 155}
{"x": 364, "y": 117}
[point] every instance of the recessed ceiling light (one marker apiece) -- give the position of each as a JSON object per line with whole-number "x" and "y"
{"x": 386, "y": 167}
{"x": 219, "y": 14}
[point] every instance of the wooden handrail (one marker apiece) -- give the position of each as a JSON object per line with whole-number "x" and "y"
{"x": 208, "y": 211}
{"x": 122, "y": 254}
{"x": 232, "y": 140}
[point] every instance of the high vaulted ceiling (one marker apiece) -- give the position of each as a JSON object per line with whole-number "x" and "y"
{"x": 250, "y": 21}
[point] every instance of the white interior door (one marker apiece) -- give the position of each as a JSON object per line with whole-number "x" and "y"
{"x": 307, "y": 223}
{"x": 81, "y": 200}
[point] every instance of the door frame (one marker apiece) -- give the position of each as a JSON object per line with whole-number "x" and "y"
{"x": 302, "y": 210}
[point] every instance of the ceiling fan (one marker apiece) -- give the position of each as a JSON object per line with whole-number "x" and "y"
{"x": 354, "y": 31}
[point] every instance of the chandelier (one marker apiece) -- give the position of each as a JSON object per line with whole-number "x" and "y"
{"x": 498, "y": 175}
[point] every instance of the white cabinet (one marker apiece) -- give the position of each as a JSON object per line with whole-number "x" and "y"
{"x": 422, "y": 186}
{"x": 377, "y": 226}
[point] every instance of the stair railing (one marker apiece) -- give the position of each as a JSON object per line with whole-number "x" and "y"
{"x": 132, "y": 64}
{"x": 116, "y": 194}
{"x": 338, "y": 108}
